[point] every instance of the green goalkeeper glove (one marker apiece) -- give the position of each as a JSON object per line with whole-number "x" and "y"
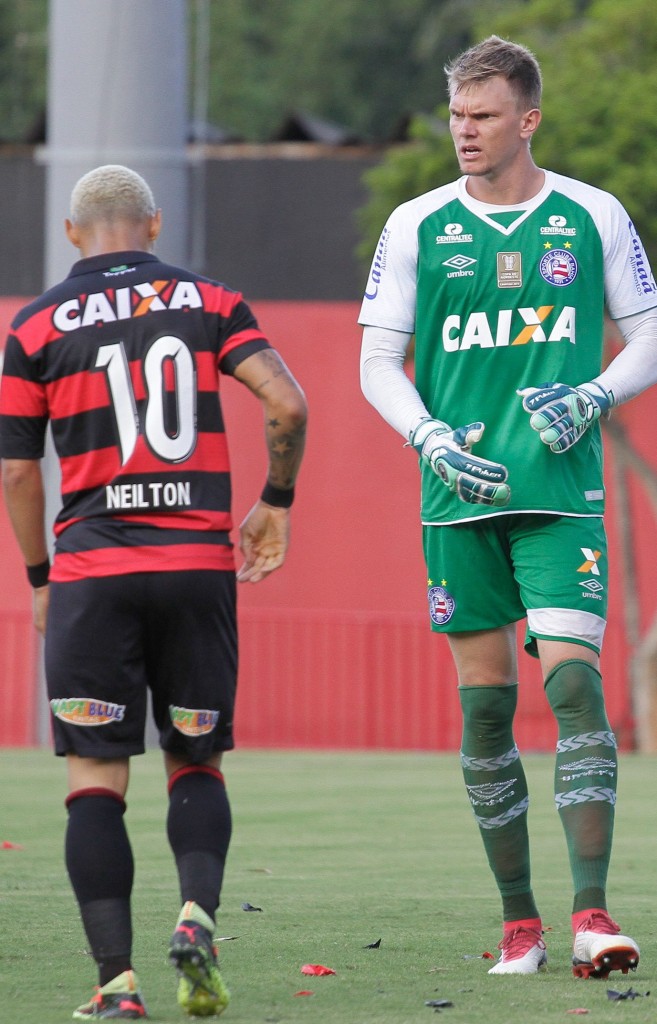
{"x": 476, "y": 481}
{"x": 560, "y": 414}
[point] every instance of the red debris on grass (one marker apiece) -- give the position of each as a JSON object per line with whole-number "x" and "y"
{"x": 317, "y": 969}
{"x": 6, "y": 845}
{"x": 304, "y": 992}
{"x": 578, "y": 1009}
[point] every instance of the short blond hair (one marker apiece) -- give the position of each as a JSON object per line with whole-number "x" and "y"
{"x": 495, "y": 56}
{"x": 111, "y": 193}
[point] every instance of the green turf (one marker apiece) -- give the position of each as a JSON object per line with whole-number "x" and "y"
{"x": 339, "y": 851}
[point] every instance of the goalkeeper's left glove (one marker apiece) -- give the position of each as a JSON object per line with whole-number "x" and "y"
{"x": 560, "y": 414}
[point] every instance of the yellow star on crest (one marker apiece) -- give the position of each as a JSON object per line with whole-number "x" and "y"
{"x": 567, "y": 245}
{"x": 547, "y": 245}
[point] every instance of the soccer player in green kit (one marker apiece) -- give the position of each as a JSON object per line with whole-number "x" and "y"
{"x": 503, "y": 277}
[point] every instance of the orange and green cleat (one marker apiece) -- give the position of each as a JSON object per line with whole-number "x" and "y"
{"x": 120, "y": 999}
{"x": 201, "y": 990}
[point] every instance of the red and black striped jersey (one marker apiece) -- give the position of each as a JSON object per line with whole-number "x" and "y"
{"x": 124, "y": 358}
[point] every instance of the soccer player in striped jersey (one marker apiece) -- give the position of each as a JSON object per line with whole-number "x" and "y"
{"x": 502, "y": 277}
{"x": 123, "y": 359}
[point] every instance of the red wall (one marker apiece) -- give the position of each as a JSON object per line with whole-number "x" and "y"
{"x": 336, "y": 649}
{"x": 19, "y": 644}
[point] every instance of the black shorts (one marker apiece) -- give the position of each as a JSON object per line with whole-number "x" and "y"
{"x": 109, "y": 639}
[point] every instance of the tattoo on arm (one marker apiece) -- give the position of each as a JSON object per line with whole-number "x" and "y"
{"x": 271, "y": 366}
{"x": 285, "y": 447}
{"x": 267, "y": 377}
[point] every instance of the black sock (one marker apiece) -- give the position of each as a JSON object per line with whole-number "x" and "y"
{"x": 199, "y": 830}
{"x": 101, "y": 869}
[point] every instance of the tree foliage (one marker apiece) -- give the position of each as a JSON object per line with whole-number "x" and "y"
{"x": 362, "y": 65}
{"x": 599, "y": 119}
{"x": 23, "y": 42}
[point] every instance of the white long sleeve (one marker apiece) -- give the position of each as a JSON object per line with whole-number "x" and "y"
{"x": 387, "y": 387}
{"x": 635, "y": 367}
{"x": 384, "y": 381}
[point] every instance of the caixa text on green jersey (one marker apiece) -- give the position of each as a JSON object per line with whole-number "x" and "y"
{"x": 508, "y": 327}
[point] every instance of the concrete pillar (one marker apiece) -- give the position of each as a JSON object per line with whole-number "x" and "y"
{"x": 116, "y": 94}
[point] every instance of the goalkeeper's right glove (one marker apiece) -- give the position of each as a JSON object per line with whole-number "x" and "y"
{"x": 476, "y": 481}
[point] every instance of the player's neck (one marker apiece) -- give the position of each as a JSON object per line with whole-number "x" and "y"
{"x": 106, "y": 243}
{"x": 508, "y": 189}
{"x": 100, "y": 236}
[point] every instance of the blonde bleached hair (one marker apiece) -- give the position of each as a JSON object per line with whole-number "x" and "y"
{"x": 111, "y": 193}
{"x": 495, "y": 56}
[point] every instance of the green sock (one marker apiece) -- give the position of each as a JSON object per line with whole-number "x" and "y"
{"x": 585, "y": 776}
{"x": 497, "y": 789}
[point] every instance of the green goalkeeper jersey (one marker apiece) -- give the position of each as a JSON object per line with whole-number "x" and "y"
{"x": 501, "y": 298}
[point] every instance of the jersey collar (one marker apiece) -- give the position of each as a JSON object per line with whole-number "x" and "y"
{"x": 485, "y": 210}
{"x": 111, "y": 261}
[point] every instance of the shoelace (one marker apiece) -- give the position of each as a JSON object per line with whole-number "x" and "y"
{"x": 518, "y": 942}
{"x": 600, "y": 923}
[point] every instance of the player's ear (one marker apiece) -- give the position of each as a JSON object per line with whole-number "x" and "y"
{"x": 530, "y": 122}
{"x": 72, "y": 233}
{"x": 155, "y": 226}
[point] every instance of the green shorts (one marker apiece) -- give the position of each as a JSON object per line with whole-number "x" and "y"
{"x": 499, "y": 569}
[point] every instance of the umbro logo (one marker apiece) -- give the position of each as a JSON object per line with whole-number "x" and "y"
{"x": 459, "y": 262}
{"x": 592, "y": 585}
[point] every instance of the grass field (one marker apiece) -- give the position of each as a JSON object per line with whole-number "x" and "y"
{"x": 339, "y": 851}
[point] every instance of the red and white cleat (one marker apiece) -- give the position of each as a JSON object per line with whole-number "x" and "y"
{"x": 600, "y": 948}
{"x": 523, "y": 952}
